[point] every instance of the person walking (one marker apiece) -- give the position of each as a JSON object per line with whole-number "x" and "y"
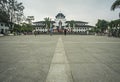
{"x": 65, "y": 30}
{"x": 51, "y": 31}
{"x": 35, "y": 33}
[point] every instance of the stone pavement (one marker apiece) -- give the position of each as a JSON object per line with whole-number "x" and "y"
{"x": 26, "y": 58}
{"x": 59, "y": 69}
{"x": 58, "y": 58}
{"x": 93, "y": 59}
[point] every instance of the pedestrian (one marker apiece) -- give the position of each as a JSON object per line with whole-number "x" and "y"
{"x": 35, "y": 33}
{"x": 51, "y": 31}
{"x": 65, "y": 30}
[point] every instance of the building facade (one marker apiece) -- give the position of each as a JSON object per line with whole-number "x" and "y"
{"x": 4, "y": 28}
{"x": 60, "y": 23}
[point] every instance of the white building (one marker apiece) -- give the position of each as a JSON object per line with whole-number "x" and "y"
{"x": 60, "y": 23}
{"x": 4, "y": 28}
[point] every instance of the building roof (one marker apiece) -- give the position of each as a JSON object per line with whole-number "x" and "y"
{"x": 83, "y": 26}
{"x": 38, "y": 25}
{"x": 60, "y": 15}
{"x": 42, "y": 22}
{"x": 78, "y": 22}
{"x": 81, "y": 22}
{"x": 39, "y": 22}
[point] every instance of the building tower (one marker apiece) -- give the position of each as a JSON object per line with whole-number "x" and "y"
{"x": 60, "y": 22}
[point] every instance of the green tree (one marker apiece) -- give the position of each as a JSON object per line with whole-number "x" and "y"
{"x": 114, "y": 29}
{"x": 19, "y": 12}
{"x": 23, "y": 28}
{"x": 47, "y": 22}
{"x": 115, "y": 5}
{"x": 4, "y": 17}
{"x": 10, "y": 10}
{"x": 17, "y": 28}
{"x": 27, "y": 27}
{"x": 15, "y": 10}
{"x": 72, "y": 24}
{"x": 102, "y": 25}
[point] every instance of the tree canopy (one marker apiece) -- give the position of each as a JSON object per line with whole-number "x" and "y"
{"x": 115, "y": 5}
{"x": 23, "y": 28}
{"x": 11, "y": 11}
{"x": 102, "y": 25}
{"x": 72, "y": 22}
{"x": 47, "y": 22}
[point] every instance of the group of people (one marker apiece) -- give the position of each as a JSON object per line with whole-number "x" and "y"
{"x": 51, "y": 32}
{"x": 114, "y": 33}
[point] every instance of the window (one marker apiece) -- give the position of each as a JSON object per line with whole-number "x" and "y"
{"x": 1, "y": 24}
{"x": 6, "y": 25}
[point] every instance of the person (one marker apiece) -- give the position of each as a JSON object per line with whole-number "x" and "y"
{"x": 35, "y": 33}
{"x": 65, "y": 30}
{"x": 51, "y": 30}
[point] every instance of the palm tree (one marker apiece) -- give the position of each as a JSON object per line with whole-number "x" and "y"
{"x": 72, "y": 24}
{"x": 47, "y": 22}
{"x": 111, "y": 27}
{"x": 115, "y": 5}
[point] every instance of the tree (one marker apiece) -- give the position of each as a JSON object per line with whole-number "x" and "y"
{"x": 96, "y": 29}
{"x": 3, "y": 4}
{"x": 102, "y": 25}
{"x": 19, "y": 12}
{"x": 115, "y": 5}
{"x": 10, "y": 10}
{"x": 47, "y": 22}
{"x": 23, "y": 28}
{"x": 15, "y": 10}
{"x": 72, "y": 24}
{"x": 115, "y": 28}
{"x": 4, "y": 16}
{"x": 27, "y": 27}
{"x": 17, "y": 28}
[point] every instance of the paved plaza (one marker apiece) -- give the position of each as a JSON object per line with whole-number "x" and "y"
{"x": 59, "y": 58}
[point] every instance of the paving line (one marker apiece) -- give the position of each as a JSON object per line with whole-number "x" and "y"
{"x": 59, "y": 69}
{"x": 92, "y": 42}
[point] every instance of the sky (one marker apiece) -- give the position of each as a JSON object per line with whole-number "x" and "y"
{"x": 80, "y": 10}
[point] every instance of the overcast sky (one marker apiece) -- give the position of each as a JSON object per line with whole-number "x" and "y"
{"x": 82, "y": 10}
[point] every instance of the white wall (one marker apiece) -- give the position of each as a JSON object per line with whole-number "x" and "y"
{"x": 62, "y": 20}
{"x": 40, "y": 29}
{"x": 4, "y": 27}
{"x": 82, "y": 29}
